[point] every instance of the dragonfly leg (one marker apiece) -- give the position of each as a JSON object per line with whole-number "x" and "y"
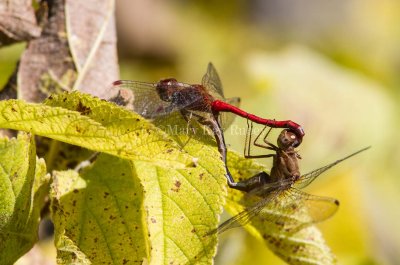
{"x": 268, "y": 145}
{"x": 249, "y": 184}
{"x": 249, "y": 143}
{"x": 213, "y": 124}
{"x": 245, "y": 185}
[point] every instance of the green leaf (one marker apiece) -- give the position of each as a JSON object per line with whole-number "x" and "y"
{"x": 23, "y": 186}
{"x": 179, "y": 206}
{"x": 98, "y": 125}
{"x": 105, "y": 215}
{"x": 301, "y": 246}
{"x": 184, "y": 204}
{"x": 98, "y": 215}
{"x": 183, "y": 207}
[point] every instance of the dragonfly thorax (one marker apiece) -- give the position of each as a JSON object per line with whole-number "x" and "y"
{"x": 166, "y": 88}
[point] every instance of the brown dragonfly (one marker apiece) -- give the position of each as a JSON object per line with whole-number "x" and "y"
{"x": 279, "y": 190}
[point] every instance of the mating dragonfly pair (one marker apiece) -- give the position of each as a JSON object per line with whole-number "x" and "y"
{"x": 207, "y": 105}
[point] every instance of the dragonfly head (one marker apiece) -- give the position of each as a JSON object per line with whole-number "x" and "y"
{"x": 297, "y": 130}
{"x": 287, "y": 139}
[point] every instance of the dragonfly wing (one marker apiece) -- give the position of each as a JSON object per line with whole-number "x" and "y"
{"x": 212, "y": 82}
{"x": 309, "y": 177}
{"x": 270, "y": 187}
{"x": 306, "y": 179}
{"x": 144, "y": 99}
{"x": 227, "y": 118}
{"x": 294, "y": 210}
{"x": 233, "y": 101}
{"x": 245, "y": 216}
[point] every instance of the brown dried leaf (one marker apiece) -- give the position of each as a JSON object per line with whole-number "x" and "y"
{"x": 92, "y": 39}
{"x": 77, "y": 50}
{"x": 18, "y": 22}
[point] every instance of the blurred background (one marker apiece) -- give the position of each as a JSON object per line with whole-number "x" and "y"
{"x": 331, "y": 66}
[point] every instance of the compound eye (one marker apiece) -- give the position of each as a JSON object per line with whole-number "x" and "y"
{"x": 296, "y": 142}
{"x": 291, "y": 139}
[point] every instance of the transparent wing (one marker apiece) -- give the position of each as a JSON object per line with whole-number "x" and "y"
{"x": 268, "y": 192}
{"x": 245, "y": 216}
{"x": 270, "y": 187}
{"x": 309, "y": 177}
{"x": 293, "y": 210}
{"x": 147, "y": 102}
{"x": 144, "y": 98}
{"x": 287, "y": 209}
{"x": 227, "y": 118}
{"x": 233, "y": 101}
{"x": 212, "y": 83}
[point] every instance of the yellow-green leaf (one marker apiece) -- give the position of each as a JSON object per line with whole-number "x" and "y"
{"x": 98, "y": 214}
{"x": 183, "y": 205}
{"x": 89, "y": 122}
{"x": 104, "y": 214}
{"x": 23, "y": 186}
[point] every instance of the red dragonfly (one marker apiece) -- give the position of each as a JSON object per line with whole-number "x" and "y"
{"x": 280, "y": 190}
{"x": 203, "y": 102}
